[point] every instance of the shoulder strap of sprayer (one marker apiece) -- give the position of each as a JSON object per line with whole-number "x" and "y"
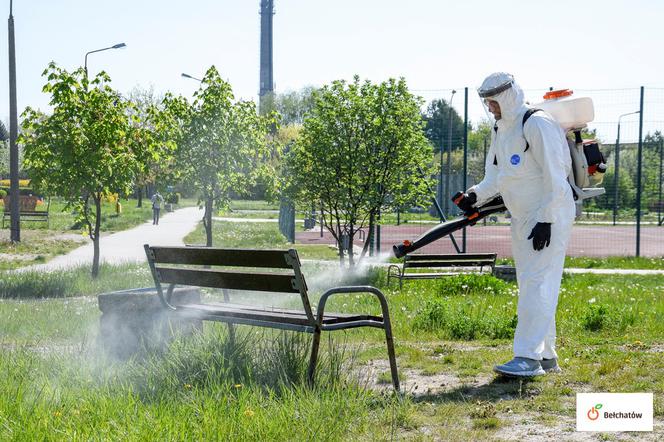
{"x": 526, "y": 115}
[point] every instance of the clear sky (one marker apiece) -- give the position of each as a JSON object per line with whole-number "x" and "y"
{"x": 434, "y": 44}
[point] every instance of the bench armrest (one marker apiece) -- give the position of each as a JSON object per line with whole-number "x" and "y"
{"x": 355, "y": 289}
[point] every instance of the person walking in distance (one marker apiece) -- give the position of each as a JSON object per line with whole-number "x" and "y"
{"x": 157, "y": 201}
{"x": 527, "y": 164}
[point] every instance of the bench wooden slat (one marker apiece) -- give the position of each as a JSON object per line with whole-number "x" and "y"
{"x": 273, "y": 315}
{"x": 221, "y": 257}
{"x": 265, "y": 282}
{"x": 458, "y": 263}
{"x": 453, "y": 257}
{"x": 427, "y": 275}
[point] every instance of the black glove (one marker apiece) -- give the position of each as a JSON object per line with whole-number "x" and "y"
{"x": 541, "y": 235}
{"x": 465, "y": 201}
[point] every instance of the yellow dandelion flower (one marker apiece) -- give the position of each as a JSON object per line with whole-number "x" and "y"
{"x": 249, "y": 412}
{"x": 187, "y": 386}
{"x": 238, "y": 385}
{"x": 57, "y": 413}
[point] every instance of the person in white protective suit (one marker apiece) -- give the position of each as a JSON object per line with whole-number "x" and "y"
{"x": 528, "y": 164}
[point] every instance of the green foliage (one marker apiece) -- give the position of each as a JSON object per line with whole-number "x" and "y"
{"x": 595, "y": 317}
{"x": 437, "y": 128}
{"x": 358, "y": 152}
{"x": 3, "y": 193}
{"x": 465, "y": 321}
{"x": 472, "y": 284}
{"x": 75, "y": 282}
{"x": 292, "y": 106}
{"x": 173, "y": 198}
{"x": 86, "y": 148}
{"x": 221, "y": 143}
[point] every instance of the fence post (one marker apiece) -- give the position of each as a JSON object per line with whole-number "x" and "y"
{"x": 465, "y": 157}
{"x": 660, "y": 220}
{"x": 638, "y": 179}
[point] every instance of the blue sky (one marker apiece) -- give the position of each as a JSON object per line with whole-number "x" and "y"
{"x": 433, "y": 44}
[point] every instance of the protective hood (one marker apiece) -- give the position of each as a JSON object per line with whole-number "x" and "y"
{"x": 502, "y": 88}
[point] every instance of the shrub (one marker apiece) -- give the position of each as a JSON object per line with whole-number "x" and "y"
{"x": 173, "y": 198}
{"x": 466, "y": 322}
{"x": 595, "y": 317}
{"x": 3, "y": 193}
{"x": 481, "y": 284}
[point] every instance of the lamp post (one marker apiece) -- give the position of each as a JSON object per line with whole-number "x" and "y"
{"x": 193, "y": 78}
{"x": 15, "y": 222}
{"x": 116, "y": 46}
{"x": 616, "y": 168}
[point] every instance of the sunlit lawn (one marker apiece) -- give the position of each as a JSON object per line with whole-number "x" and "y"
{"x": 449, "y": 333}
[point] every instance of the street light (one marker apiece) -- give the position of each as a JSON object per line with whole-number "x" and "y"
{"x": 616, "y": 168}
{"x": 193, "y": 78}
{"x": 115, "y": 46}
{"x": 14, "y": 193}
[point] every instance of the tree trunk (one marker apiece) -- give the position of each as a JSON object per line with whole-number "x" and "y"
{"x": 370, "y": 236}
{"x": 95, "y": 239}
{"x": 340, "y": 246}
{"x": 139, "y": 196}
{"x": 207, "y": 221}
{"x": 351, "y": 258}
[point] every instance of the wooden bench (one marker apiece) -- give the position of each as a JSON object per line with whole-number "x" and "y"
{"x": 26, "y": 215}
{"x": 274, "y": 271}
{"x": 33, "y": 215}
{"x": 456, "y": 262}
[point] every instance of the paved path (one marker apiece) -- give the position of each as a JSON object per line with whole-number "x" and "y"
{"x": 127, "y": 246}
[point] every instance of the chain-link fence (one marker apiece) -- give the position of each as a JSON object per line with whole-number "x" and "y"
{"x": 627, "y": 220}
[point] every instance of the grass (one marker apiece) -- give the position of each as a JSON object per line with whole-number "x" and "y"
{"x": 76, "y": 282}
{"x": 256, "y": 236}
{"x": 35, "y": 247}
{"x": 607, "y": 262}
{"x": 448, "y": 333}
{"x": 253, "y": 205}
{"x": 55, "y": 383}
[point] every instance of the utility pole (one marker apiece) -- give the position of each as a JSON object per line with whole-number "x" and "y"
{"x": 266, "y": 88}
{"x": 13, "y": 133}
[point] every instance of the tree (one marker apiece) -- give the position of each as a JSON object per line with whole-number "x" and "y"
{"x": 360, "y": 150}
{"x": 83, "y": 150}
{"x": 292, "y": 106}
{"x": 437, "y": 127}
{"x": 159, "y": 166}
{"x": 221, "y": 143}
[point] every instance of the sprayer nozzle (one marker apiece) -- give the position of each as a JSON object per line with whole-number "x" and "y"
{"x": 398, "y": 251}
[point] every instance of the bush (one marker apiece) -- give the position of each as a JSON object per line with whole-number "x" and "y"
{"x": 3, "y": 193}
{"x": 466, "y": 322}
{"x": 173, "y": 198}
{"x": 472, "y": 284}
{"x": 598, "y": 317}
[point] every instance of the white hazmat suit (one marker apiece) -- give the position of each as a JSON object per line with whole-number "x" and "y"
{"x": 534, "y": 187}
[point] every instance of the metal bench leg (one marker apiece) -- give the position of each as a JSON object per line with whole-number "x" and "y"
{"x": 391, "y": 355}
{"x": 231, "y": 327}
{"x": 314, "y": 357}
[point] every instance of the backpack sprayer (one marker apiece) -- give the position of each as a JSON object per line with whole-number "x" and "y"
{"x": 588, "y": 167}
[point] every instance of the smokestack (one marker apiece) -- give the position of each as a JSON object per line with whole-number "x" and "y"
{"x": 266, "y": 86}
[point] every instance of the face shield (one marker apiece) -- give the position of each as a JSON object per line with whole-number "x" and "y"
{"x": 492, "y": 86}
